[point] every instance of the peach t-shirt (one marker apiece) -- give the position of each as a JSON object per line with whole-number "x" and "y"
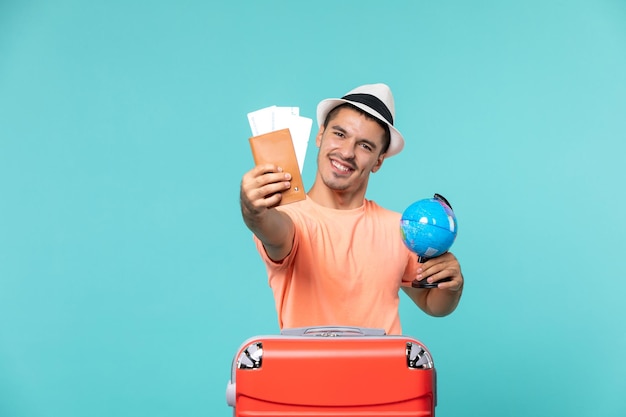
{"x": 345, "y": 268}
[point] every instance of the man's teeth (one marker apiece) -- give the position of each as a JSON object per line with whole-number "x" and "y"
{"x": 340, "y": 167}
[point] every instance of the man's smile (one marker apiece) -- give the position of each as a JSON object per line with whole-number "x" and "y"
{"x": 341, "y": 167}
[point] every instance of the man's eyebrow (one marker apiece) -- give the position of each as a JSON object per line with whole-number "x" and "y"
{"x": 339, "y": 128}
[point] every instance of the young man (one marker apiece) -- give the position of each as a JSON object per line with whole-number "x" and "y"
{"x": 337, "y": 258}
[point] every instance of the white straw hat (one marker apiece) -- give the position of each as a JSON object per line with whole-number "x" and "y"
{"x": 374, "y": 99}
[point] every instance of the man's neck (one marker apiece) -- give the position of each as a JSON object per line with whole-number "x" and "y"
{"x": 335, "y": 199}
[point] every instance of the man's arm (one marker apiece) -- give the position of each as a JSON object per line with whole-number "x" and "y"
{"x": 444, "y": 299}
{"x": 259, "y": 195}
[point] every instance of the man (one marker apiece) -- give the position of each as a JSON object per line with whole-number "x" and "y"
{"x": 337, "y": 258}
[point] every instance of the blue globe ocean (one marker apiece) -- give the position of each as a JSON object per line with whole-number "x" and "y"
{"x": 429, "y": 227}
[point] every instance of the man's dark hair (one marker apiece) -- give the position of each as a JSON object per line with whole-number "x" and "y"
{"x": 386, "y": 136}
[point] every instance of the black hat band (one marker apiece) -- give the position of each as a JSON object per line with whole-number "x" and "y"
{"x": 373, "y": 102}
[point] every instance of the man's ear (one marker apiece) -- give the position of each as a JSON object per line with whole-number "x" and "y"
{"x": 379, "y": 162}
{"x": 318, "y": 138}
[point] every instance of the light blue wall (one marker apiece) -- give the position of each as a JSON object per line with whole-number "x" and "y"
{"x": 128, "y": 280}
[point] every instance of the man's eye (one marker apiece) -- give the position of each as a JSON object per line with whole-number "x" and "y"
{"x": 366, "y": 147}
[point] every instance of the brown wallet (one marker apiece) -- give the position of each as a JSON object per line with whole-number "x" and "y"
{"x": 277, "y": 148}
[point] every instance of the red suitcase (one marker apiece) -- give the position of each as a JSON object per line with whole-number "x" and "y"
{"x": 337, "y": 371}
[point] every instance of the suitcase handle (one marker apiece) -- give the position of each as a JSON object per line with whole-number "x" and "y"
{"x": 332, "y": 331}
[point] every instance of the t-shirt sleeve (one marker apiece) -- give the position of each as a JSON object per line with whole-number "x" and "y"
{"x": 410, "y": 272}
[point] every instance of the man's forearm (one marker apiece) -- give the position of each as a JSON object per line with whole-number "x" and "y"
{"x": 442, "y": 302}
{"x": 274, "y": 229}
{"x": 433, "y": 301}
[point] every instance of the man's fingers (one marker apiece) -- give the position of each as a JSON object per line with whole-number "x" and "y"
{"x": 269, "y": 190}
{"x": 450, "y": 285}
{"x": 261, "y": 187}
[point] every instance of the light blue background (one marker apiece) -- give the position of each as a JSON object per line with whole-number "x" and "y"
{"x": 128, "y": 280}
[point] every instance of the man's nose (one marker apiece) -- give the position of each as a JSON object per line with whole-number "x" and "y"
{"x": 347, "y": 148}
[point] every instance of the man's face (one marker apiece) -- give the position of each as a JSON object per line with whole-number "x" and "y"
{"x": 349, "y": 149}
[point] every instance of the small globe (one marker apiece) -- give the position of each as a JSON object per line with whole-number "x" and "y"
{"x": 428, "y": 227}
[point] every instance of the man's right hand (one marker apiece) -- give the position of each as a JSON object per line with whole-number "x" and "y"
{"x": 261, "y": 189}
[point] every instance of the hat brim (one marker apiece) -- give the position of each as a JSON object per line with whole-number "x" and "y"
{"x": 396, "y": 142}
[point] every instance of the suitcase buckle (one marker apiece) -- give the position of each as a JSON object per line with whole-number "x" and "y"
{"x": 251, "y": 357}
{"x": 417, "y": 357}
